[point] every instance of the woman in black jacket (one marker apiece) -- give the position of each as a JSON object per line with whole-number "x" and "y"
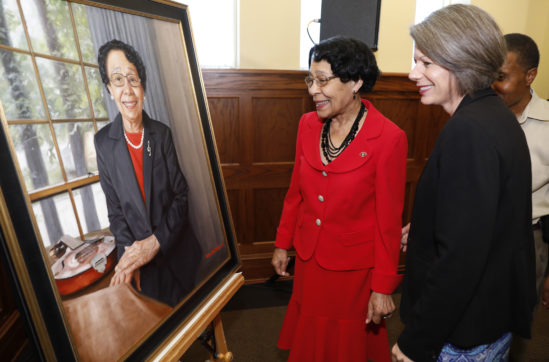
{"x": 469, "y": 278}
{"x": 146, "y": 192}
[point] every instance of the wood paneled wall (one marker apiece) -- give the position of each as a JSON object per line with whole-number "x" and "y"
{"x": 255, "y": 115}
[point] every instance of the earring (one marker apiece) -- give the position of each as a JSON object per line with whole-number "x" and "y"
{"x": 112, "y": 98}
{"x": 354, "y": 94}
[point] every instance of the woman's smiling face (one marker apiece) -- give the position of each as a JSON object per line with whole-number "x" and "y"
{"x": 129, "y": 100}
{"x": 335, "y": 98}
{"x": 437, "y": 85}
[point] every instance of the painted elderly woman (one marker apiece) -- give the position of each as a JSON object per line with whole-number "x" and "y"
{"x": 146, "y": 192}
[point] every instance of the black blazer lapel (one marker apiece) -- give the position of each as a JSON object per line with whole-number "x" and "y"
{"x": 123, "y": 169}
{"x": 148, "y": 156}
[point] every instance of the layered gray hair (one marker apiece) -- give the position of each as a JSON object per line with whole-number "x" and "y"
{"x": 465, "y": 40}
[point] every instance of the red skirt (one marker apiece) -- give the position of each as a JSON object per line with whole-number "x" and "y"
{"x": 325, "y": 319}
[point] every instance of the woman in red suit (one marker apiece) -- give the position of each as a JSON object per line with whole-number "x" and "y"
{"x": 342, "y": 213}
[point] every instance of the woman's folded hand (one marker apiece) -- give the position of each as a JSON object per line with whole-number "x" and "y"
{"x": 138, "y": 254}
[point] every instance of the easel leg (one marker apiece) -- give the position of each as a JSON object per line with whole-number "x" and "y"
{"x": 223, "y": 354}
{"x": 214, "y": 340}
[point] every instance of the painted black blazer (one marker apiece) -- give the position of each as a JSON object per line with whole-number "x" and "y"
{"x": 470, "y": 274}
{"x": 170, "y": 275}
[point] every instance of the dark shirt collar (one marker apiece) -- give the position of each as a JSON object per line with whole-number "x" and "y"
{"x": 478, "y": 94}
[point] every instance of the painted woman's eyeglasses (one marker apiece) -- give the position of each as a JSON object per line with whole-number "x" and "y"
{"x": 320, "y": 81}
{"x": 119, "y": 80}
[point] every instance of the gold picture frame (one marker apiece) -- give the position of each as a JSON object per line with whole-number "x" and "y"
{"x": 161, "y": 31}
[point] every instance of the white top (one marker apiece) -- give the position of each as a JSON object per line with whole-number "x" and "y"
{"x": 535, "y": 124}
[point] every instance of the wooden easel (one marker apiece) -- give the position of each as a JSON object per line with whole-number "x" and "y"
{"x": 208, "y": 313}
{"x": 217, "y": 345}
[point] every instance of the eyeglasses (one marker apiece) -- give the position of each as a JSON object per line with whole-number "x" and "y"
{"x": 320, "y": 81}
{"x": 119, "y": 80}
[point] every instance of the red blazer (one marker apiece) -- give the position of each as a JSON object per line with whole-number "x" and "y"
{"x": 348, "y": 213}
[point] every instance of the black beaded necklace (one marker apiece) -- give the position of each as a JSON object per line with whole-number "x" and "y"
{"x": 328, "y": 149}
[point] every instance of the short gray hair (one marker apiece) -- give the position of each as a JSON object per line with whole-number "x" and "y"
{"x": 465, "y": 40}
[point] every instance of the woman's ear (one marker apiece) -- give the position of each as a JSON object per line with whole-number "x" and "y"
{"x": 357, "y": 86}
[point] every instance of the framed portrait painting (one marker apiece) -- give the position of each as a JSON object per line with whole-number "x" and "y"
{"x": 116, "y": 228}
